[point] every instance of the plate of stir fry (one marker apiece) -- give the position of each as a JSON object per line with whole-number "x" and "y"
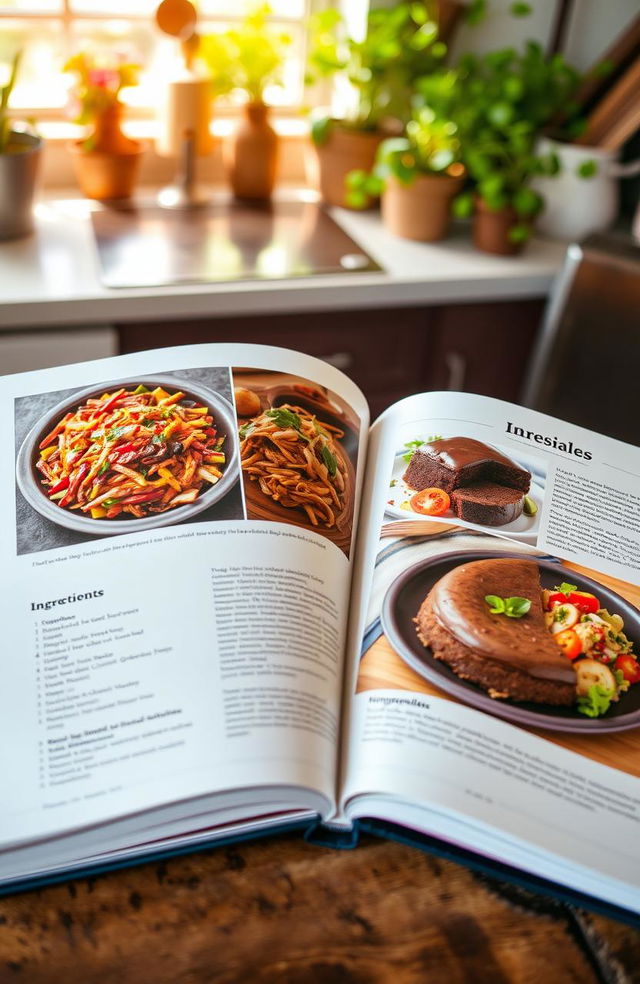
{"x": 133, "y": 454}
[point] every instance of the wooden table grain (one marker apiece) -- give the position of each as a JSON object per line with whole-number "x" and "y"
{"x": 281, "y": 911}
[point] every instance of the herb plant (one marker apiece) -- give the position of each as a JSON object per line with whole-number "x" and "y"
{"x": 500, "y": 102}
{"x": 431, "y": 146}
{"x": 248, "y": 58}
{"x": 400, "y": 44}
{"x": 5, "y": 95}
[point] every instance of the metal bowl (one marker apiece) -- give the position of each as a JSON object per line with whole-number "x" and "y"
{"x": 29, "y": 482}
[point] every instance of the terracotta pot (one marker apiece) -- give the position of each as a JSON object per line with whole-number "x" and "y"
{"x": 344, "y": 150}
{"x": 251, "y": 155}
{"x": 491, "y": 230}
{"x": 103, "y": 175}
{"x": 107, "y": 163}
{"x": 421, "y": 210}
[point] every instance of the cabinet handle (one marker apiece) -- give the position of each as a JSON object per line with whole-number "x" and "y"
{"x": 457, "y": 366}
{"x": 341, "y": 360}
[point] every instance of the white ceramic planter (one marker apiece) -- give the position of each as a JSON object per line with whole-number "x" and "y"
{"x": 577, "y": 206}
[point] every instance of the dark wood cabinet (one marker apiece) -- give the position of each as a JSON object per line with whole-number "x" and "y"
{"x": 389, "y": 352}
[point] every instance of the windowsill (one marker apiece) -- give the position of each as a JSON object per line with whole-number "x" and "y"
{"x": 57, "y": 165}
{"x": 56, "y": 131}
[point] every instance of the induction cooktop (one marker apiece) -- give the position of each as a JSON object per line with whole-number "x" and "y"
{"x": 149, "y": 246}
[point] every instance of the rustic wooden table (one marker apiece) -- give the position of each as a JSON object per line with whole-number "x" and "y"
{"x": 283, "y": 911}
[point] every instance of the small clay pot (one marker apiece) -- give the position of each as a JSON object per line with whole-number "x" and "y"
{"x": 491, "y": 229}
{"x": 329, "y": 163}
{"x": 251, "y": 155}
{"x": 422, "y": 209}
{"x": 103, "y": 175}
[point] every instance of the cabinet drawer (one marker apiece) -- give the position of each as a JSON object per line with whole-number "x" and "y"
{"x": 380, "y": 350}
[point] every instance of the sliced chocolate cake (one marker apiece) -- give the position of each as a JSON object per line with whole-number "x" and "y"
{"x": 507, "y": 657}
{"x": 487, "y": 504}
{"x": 458, "y": 461}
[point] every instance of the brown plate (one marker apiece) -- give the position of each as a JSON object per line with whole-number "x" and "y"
{"x": 406, "y": 594}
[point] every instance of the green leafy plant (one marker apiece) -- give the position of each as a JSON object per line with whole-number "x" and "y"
{"x": 401, "y": 43}
{"x": 247, "y": 58}
{"x": 500, "y": 103}
{"x": 5, "y": 95}
{"x": 431, "y": 146}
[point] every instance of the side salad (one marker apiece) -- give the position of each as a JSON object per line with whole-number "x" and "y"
{"x": 594, "y": 639}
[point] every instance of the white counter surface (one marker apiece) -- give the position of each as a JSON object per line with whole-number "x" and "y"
{"x": 52, "y": 277}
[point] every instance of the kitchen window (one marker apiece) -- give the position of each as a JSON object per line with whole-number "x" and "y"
{"x": 49, "y": 31}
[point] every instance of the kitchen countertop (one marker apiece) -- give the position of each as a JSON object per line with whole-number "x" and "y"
{"x": 51, "y": 278}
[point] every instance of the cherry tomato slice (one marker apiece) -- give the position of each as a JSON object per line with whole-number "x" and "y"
{"x": 569, "y": 642}
{"x": 584, "y": 602}
{"x": 430, "y": 502}
{"x": 629, "y": 667}
{"x": 556, "y": 598}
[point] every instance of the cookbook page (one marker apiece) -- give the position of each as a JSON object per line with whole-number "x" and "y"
{"x": 493, "y": 676}
{"x": 176, "y": 558}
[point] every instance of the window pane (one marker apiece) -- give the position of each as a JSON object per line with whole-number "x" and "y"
{"x": 31, "y": 6}
{"x": 40, "y": 82}
{"x": 125, "y": 7}
{"x": 238, "y": 8}
{"x": 131, "y": 41}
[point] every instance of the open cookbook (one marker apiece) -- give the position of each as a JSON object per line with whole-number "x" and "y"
{"x": 231, "y": 607}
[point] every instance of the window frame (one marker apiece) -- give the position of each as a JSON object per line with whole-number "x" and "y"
{"x": 66, "y": 17}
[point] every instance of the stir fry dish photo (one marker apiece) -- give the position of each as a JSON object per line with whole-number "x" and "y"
{"x": 295, "y": 460}
{"x": 131, "y": 453}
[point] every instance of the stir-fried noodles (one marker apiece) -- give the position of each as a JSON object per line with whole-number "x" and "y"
{"x": 295, "y": 460}
{"x": 132, "y": 452}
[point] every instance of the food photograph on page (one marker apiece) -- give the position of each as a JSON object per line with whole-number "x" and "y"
{"x": 125, "y": 456}
{"x": 532, "y": 639}
{"x": 298, "y": 453}
{"x": 461, "y": 478}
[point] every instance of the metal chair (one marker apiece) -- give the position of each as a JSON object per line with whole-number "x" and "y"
{"x": 586, "y": 367}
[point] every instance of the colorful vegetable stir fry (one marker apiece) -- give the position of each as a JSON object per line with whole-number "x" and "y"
{"x": 588, "y": 634}
{"x": 131, "y": 453}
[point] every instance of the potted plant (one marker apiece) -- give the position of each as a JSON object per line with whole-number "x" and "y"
{"x": 400, "y": 44}
{"x": 106, "y": 161}
{"x": 500, "y": 102}
{"x": 19, "y": 159}
{"x": 248, "y": 59}
{"x": 418, "y": 176}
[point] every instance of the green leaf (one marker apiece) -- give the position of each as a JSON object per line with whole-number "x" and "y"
{"x": 566, "y": 588}
{"x": 495, "y": 603}
{"x": 475, "y": 12}
{"x": 514, "y": 607}
{"x": 462, "y": 206}
{"x": 588, "y": 169}
{"x": 284, "y": 418}
{"x": 527, "y": 202}
{"x": 597, "y": 701}
{"x": 519, "y": 233}
{"x": 356, "y": 199}
{"x": 517, "y": 607}
{"x": 520, "y": 9}
{"x": 320, "y": 130}
{"x": 329, "y": 460}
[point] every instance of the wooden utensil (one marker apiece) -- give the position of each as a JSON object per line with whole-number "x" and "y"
{"x": 617, "y": 112}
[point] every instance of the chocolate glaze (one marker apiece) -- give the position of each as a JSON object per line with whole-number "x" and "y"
{"x": 457, "y": 452}
{"x": 525, "y": 643}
